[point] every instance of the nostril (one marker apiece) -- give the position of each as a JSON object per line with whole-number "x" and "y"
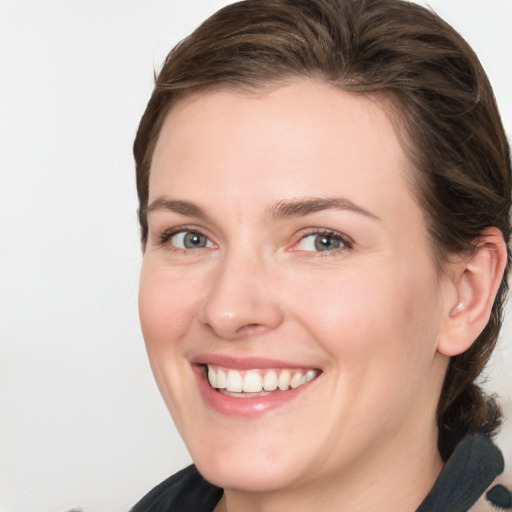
{"x": 251, "y": 329}
{"x": 230, "y": 326}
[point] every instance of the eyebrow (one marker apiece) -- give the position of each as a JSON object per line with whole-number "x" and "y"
{"x": 177, "y": 206}
{"x": 307, "y": 206}
{"x": 281, "y": 210}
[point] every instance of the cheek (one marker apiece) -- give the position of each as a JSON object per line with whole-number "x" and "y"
{"x": 166, "y": 306}
{"x": 378, "y": 338}
{"x": 166, "y": 309}
{"x": 358, "y": 320}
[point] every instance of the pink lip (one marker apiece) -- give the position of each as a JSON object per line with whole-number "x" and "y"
{"x": 243, "y": 363}
{"x": 244, "y": 407}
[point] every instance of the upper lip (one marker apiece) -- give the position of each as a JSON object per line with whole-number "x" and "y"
{"x": 244, "y": 363}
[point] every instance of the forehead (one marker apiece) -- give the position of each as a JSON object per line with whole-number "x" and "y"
{"x": 302, "y": 138}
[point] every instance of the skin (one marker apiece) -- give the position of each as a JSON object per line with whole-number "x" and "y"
{"x": 370, "y": 314}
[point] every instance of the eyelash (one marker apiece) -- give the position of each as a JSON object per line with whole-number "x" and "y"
{"x": 345, "y": 240}
{"x": 165, "y": 236}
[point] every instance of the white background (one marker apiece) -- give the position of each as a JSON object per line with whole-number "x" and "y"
{"x": 81, "y": 421}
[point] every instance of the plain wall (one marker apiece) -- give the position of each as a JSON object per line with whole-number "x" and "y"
{"x": 81, "y": 421}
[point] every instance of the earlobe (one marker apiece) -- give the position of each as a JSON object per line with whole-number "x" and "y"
{"x": 476, "y": 279}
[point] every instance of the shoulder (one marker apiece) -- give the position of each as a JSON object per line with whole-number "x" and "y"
{"x": 185, "y": 491}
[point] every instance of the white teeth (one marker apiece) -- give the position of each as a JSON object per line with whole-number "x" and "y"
{"x": 257, "y": 381}
{"x": 221, "y": 379}
{"x": 284, "y": 380}
{"x": 310, "y": 375}
{"x": 212, "y": 378}
{"x": 234, "y": 382}
{"x": 253, "y": 382}
{"x": 296, "y": 380}
{"x": 270, "y": 381}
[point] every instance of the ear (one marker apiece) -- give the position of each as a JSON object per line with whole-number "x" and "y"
{"x": 474, "y": 283}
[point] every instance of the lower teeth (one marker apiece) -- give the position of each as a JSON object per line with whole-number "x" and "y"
{"x": 247, "y": 394}
{"x": 244, "y": 395}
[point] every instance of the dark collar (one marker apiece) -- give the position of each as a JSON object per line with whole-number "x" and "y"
{"x": 471, "y": 469}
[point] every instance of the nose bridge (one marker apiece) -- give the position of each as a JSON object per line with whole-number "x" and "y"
{"x": 239, "y": 301}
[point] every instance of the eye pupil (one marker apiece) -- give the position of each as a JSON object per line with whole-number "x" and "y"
{"x": 194, "y": 240}
{"x": 326, "y": 242}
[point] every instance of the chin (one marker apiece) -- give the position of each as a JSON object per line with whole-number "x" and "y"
{"x": 249, "y": 476}
{"x": 252, "y": 462}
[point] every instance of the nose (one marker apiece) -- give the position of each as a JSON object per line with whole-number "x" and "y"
{"x": 240, "y": 300}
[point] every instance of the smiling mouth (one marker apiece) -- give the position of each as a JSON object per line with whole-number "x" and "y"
{"x": 257, "y": 382}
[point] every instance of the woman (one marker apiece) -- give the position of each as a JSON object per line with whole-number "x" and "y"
{"x": 324, "y": 194}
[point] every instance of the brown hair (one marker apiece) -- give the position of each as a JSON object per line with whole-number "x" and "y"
{"x": 443, "y": 102}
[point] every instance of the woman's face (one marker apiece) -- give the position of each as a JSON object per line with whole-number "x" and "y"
{"x": 286, "y": 249}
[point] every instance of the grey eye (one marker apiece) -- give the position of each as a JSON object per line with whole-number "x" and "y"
{"x": 321, "y": 242}
{"x": 190, "y": 240}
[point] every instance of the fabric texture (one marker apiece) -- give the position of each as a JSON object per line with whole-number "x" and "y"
{"x": 185, "y": 491}
{"x": 471, "y": 469}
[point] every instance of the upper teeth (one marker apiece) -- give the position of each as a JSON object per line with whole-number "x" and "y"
{"x": 255, "y": 381}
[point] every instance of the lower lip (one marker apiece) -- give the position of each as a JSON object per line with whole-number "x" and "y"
{"x": 248, "y": 407}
